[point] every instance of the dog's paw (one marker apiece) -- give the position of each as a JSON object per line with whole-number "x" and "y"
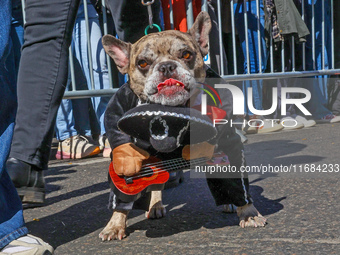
{"x": 156, "y": 211}
{"x": 229, "y": 208}
{"x": 115, "y": 229}
{"x": 250, "y": 217}
{"x": 112, "y": 233}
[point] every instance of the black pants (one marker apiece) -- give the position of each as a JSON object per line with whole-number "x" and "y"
{"x": 42, "y": 77}
{"x": 131, "y": 18}
{"x": 43, "y": 68}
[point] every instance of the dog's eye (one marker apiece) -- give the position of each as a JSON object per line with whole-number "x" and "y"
{"x": 186, "y": 54}
{"x": 142, "y": 63}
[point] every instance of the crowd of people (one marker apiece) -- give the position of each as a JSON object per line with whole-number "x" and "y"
{"x": 34, "y": 73}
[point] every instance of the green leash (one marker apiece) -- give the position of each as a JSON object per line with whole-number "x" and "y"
{"x": 148, "y": 27}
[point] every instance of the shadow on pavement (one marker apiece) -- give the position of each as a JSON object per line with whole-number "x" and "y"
{"x": 189, "y": 207}
{"x": 74, "y": 222}
{"x": 278, "y": 152}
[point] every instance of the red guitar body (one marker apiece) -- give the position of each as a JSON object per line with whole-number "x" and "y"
{"x": 139, "y": 184}
{"x": 155, "y": 172}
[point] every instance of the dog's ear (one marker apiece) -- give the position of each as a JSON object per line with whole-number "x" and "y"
{"x": 200, "y": 31}
{"x": 119, "y": 51}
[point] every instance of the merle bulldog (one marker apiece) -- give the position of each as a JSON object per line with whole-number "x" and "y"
{"x": 164, "y": 68}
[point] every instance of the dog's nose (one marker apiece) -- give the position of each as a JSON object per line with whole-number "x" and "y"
{"x": 167, "y": 68}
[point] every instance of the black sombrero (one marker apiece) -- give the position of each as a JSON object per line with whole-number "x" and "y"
{"x": 167, "y": 127}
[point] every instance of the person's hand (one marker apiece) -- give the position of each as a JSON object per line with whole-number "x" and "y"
{"x": 127, "y": 159}
{"x": 199, "y": 150}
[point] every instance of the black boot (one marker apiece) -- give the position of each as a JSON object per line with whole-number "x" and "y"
{"x": 28, "y": 180}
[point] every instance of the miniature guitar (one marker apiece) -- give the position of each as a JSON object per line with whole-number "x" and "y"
{"x": 158, "y": 172}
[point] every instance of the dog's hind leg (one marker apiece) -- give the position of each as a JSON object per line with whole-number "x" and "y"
{"x": 115, "y": 229}
{"x": 250, "y": 217}
{"x": 156, "y": 208}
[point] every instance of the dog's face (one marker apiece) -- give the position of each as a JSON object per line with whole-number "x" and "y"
{"x": 164, "y": 67}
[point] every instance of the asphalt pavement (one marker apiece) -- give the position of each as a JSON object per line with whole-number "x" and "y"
{"x": 302, "y": 207}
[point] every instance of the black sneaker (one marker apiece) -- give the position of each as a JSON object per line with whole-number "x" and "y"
{"x": 28, "y": 180}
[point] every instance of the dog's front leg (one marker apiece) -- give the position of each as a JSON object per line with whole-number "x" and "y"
{"x": 115, "y": 229}
{"x": 156, "y": 208}
{"x": 250, "y": 217}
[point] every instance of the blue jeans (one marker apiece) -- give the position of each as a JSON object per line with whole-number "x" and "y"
{"x": 100, "y": 69}
{"x": 12, "y": 223}
{"x": 73, "y": 115}
{"x": 318, "y": 86}
{"x": 17, "y": 32}
{"x": 67, "y": 125}
{"x": 253, "y": 49}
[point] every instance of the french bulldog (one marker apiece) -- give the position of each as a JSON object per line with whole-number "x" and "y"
{"x": 163, "y": 68}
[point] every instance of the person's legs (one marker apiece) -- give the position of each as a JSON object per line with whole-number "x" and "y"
{"x": 100, "y": 71}
{"x": 215, "y": 56}
{"x": 13, "y": 232}
{"x": 65, "y": 122}
{"x": 12, "y": 223}
{"x": 82, "y": 106}
{"x": 73, "y": 122}
{"x": 42, "y": 77}
{"x": 254, "y": 52}
{"x": 41, "y": 83}
{"x": 99, "y": 65}
{"x": 318, "y": 86}
{"x": 17, "y": 33}
{"x": 253, "y": 47}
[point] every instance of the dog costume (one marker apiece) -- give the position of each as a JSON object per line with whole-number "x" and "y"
{"x": 230, "y": 190}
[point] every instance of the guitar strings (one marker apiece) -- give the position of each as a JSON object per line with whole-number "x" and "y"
{"x": 164, "y": 163}
{"x": 145, "y": 174}
{"x": 168, "y": 163}
{"x": 171, "y": 163}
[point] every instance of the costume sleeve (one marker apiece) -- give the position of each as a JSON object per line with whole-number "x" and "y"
{"x": 121, "y": 102}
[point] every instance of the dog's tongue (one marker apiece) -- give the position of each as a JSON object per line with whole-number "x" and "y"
{"x": 169, "y": 82}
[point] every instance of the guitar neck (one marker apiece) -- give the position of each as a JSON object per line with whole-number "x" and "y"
{"x": 178, "y": 164}
{"x": 171, "y": 165}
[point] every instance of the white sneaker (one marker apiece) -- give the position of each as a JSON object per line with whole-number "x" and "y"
{"x": 304, "y": 121}
{"x": 104, "y": 146}
{"x": 267, "y": 126}
{"x": 27, "y": 245}
{"x": 76, "y": 147}
{"x": 329, "y": 118}
{"x": 258, "y": 125}
{"x": 291, "y": 123}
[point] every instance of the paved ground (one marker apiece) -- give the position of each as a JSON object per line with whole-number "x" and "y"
{"x": 302, "y": 209}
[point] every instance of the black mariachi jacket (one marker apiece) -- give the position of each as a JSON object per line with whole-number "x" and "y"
{"x": 232, "y": 190}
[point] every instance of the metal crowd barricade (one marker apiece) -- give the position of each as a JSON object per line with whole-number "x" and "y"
{"x": 283, "y": 74}
{"x": 73, "y": 93}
